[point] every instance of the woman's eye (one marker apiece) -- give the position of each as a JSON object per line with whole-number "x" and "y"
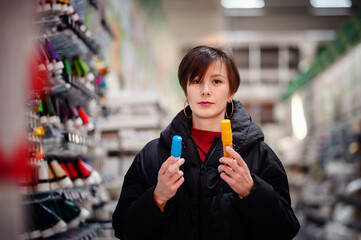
{"x": 217, "y": 81}
{"x": 195, "y": 81}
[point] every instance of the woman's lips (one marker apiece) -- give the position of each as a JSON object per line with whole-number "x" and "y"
{"x": 205, "y": 103}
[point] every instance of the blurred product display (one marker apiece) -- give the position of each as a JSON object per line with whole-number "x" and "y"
{"x": 61, "y": 188}
{"x": 328, "y": 169}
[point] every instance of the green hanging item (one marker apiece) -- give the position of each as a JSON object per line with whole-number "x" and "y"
{"x": 40, "y": 109}
{"x": 77, "y": 68}
{"x": 49, "y": 105}
{"x": 67, "y": 67}
{"x": 83, "y": 66}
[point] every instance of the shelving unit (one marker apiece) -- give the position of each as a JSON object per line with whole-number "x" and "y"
{"x": 331, "y": 156}
{"x": 265, "y": 68}
{"x": 137, "y": 121}
{"x": 62, "y": 186}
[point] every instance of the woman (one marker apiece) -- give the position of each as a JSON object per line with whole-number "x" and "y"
{"x": 204, "y": 195}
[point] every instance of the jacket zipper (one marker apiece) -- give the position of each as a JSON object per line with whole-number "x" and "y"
{"x": 202, "y": 170}
{"x": 210, "y": 155}
{"x": 195, "y": 144}
{"x": 205, "y": 163}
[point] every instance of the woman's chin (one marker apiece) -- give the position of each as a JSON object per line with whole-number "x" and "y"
{"x": 208, "y": 115}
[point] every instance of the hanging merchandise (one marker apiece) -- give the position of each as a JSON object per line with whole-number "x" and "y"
{"x": 51, "y": 215}
{"x": 53, "y": 118}
{"x": 58, "y": 185}
{"x": 102, "y": 70}
{"x": 63, "y": 179}
{"x": 77, "y": 121}
{"x": 87, "y": 172}
{"x": 100, "y": 81}
{"x": 43, "y": 182}
{"x": 74, "y": 174}
{"x": 52, "y": 180}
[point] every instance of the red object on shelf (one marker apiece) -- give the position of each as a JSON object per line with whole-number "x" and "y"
{"x": 85, "y": 169}
{"x": 65, "y": 169}
{"x": 38, "y": 75}
{"x": 83, "y": 115}
{"x": 72, "y": 170}
{"x": 40, "y": 155}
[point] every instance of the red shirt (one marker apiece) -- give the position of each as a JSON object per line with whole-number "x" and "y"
{"x": 204, "y": 140}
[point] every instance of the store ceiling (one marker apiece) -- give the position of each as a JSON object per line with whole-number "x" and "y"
{"x": 195, "y": 20}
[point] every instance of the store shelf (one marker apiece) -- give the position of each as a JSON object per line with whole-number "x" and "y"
{"x": 67, "y": 38}
{"x": 72, "y": 194}
{"x": 259, "y": 92}
{"x": 355, "y": 224}
{"x": 84, "y": 232}
{"x": 133, "y": 145}
{"x": 306, "y": 233}
{"x": 349, "y": 200}
{"x": 90, "y": 43}
{"x": 68, "y": 144}
{"x": 76, "y": 92}
{"x": 47, "y": 12}
{"x": 75, "y": 87}
{"x": 65, "y": 83}
{"x": 313, "y": 217}
{"x": 119, "y": 122}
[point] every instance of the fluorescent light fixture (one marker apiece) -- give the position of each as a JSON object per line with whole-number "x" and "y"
{"x": 242, "y": 3}
{"x": 331, "y": 3}
{"x": 298, "y": 119}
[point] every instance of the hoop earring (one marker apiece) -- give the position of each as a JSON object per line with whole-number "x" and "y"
{"x": 184, "y": 110}
{"x": 231, "y": 112}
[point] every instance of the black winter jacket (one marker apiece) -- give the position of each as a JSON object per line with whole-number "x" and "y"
{"x": 205, "y": 207}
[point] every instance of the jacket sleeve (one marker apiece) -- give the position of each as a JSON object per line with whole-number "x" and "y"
{"x": 267, "y": 210}
{"x": 136, "y": 215}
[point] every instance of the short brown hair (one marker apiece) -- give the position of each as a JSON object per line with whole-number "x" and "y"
{"x": 197, "y": 60}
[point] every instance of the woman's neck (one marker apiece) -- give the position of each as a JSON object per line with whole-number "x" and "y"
{"x": 213, "y": 125}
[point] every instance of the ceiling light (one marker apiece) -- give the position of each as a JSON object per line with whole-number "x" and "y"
{"x": 331, "y": 3}
{"x": 242, "y": 3}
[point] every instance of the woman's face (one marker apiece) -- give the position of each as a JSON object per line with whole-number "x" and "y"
{"x": 208, "y": 97}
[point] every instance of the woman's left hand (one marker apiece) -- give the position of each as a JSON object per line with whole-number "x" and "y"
{"x": 235, "y": 172}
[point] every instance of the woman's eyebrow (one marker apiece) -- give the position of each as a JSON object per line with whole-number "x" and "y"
{"x": 218, "y": 75}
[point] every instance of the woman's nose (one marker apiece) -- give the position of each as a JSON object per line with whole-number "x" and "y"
{"x": 205, "y": 90}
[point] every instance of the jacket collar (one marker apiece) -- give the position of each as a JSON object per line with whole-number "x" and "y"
{"x": 245, "y": 132}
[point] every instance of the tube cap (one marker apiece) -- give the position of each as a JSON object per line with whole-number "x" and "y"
{"x": 176, "y": 150}
{"x": 226, "y": 131}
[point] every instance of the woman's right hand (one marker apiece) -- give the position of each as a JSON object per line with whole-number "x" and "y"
{"x": 170, "y": 178}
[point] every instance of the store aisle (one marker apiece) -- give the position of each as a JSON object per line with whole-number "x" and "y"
{"x": 86, "y": 84}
